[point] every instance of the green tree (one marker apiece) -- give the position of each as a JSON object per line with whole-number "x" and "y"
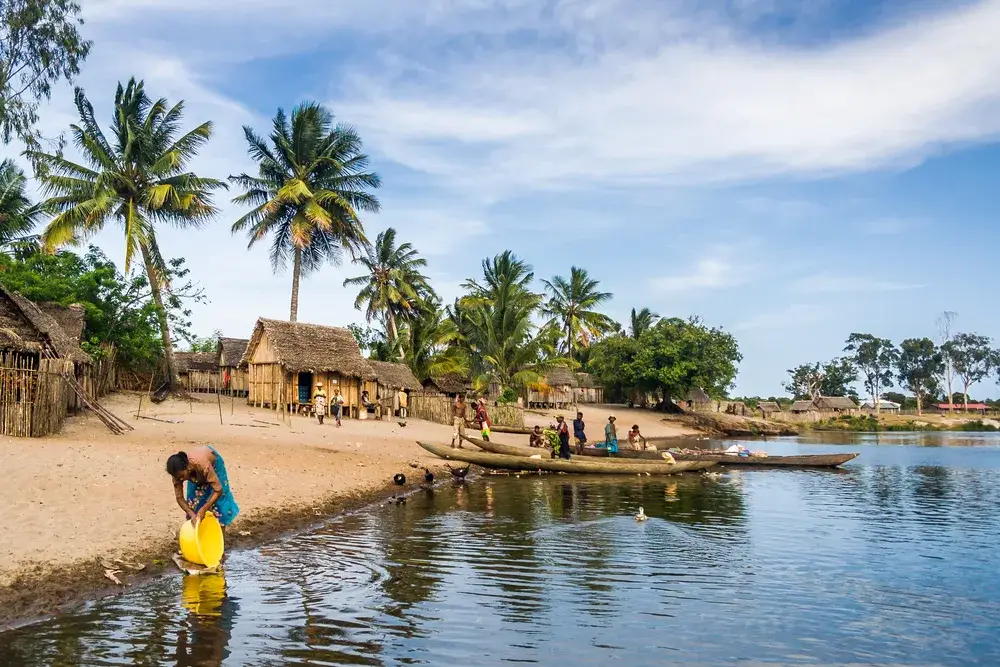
{"x": 641, "y": 321}
{"x": 429, "y": 343}
{"x": 571, "y": 306}
{"x": 18, "y": 215}
{"x": 137, "y": 179}
{"x": 393, "y": 286}
{"x": 312, "y": 181}
{"x": 973, "y": 359}
{"x": 206, "y": 345}
{"x": 810, "y": 381}
{"x": 876, "y": 359}
{"x": 40, "y": 45}
{"x": 610, "y": 362}
{"x": 920, "y": 365}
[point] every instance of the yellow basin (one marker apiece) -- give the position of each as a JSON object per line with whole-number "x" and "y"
{"x": 205, "y": 545}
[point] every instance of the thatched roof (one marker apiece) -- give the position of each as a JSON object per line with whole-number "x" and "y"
{"x": 836, "y": 403}
{"x": 394, "y": 375}
{"x": 560, "y": 376}
{"x": 312, "y": 348}
{"x": 230, "y": 351}
{"x": 769, "y": 406}
{"x": 26, "y": 327}
{"x": 586, "y": 381}
{"x": 803, "y": 406}
{"x": 698, "y": 395}
{"x": 450, "y": 383}
{"x": 204, "y": 362}
{"x": 71, "y": 318}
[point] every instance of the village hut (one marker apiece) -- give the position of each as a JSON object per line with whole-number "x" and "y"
{"x": 197, "y": 371}
{"x": 884, "y": 406}
{"x": 38, "y": 363}
{"x": 232, "y": 376}
{"x": 768, "y": 408}
{"x": 802, "y": 407}
{"x": 698, "y": 400}
{"x": 449, "y": 384}
{"x": 587, "y": 389}
{"x": 286, "y": 360}
{"x": 554, "y": 389}
{"x": 836, "y": 404}
{"x": 393, "y": 377}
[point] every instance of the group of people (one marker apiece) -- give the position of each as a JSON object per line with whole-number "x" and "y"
{"x": 635, "y": 439}
{"x": 337, "y": 404}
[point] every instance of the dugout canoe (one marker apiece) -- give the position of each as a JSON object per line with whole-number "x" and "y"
{"x": 590, "y": 452}
{"x": 805, "y": 461}
{"x": 508, "y": 450}
{"x": 516, "y": 430}
{"x": 579, "y": 466}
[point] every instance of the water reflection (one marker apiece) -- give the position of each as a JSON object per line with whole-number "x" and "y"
{"x": 203, "y": 640}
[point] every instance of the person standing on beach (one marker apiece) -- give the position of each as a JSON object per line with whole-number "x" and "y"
{"x": 562, "y": 428}
{"x": 338, "y": 406}
{"x": 458, "y": 420}
{"x": 611, "y": 436}
{"x": 319, "y": 400}
{"x": 207, "y": 485}
{"x": 483, "y": 419}
{"x": 579, "y": 432}
{"x": 402, "y": 404}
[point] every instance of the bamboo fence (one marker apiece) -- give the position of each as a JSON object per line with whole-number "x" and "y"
{"x": 436, "y": 408}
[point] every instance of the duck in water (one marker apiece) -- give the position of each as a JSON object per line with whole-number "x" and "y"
{"x": 641, "y": 516}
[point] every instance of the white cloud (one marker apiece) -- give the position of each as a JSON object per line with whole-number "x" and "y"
{"x": 825, "y": 283}
{"x": 716, "y": 271}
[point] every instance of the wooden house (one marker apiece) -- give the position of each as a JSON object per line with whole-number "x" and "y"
{"x": 802, "y": 407}
{"x": 555, "y": 389}
{"x": 38, "y": 361}
{"x": 197, "y": 371}
{"x": 698, "y": 400}
{"x": 449, "y": 384}
{"x": 286, "y": 360}
{"x": 391, "y": 377}
{"x": 768, "y": 408}
{"x": 587, "y": 389}
{"x": 837, "y": 404}
{"x": 232, "y": 376}
{"x": 884, "y": 407}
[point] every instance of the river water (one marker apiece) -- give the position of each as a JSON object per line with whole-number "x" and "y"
{"x": 893, "y": 561}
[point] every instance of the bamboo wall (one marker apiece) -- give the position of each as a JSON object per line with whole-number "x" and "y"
{"x": 269, "y": 386}
{"x": 238, "y": 382}
{"x": 34, "y": 396}
{"x": 550, "y": 396}
{"x": 588, "y": 394}
{"x": 436, "y": 408}
{"x": 200, "y": 382}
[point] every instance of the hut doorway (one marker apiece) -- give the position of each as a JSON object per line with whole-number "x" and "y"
{"x": 305, "y": 387}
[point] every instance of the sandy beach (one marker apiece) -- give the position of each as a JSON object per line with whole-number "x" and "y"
{"x": 86, "y": 494}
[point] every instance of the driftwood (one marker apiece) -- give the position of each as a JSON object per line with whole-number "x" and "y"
{"x": 157, "y": 419}
{"x": 589, "y": 466}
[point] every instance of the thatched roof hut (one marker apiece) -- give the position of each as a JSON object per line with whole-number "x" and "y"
{"x": 311, "y": 347}
{"x": 803, "y": 406}
{"x": 698, "y": 395}
{"x": 202, "y": 362}
{"x": 71, "y": 318}
{"x": 835, "y": 403}
{"x": 395, "y": 375}
{"x": 560, "y": 376}
{"x": 25, "y": 327}
{"x": 230, "y": 351}
{"x": 586, "y": 381}
{"x": 449, "y": 383}
{"x": 768, "y": 407}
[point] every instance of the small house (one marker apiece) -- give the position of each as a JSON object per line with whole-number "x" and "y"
{"x": 392, "y": 377}
{"x": 38, "y": 362}
{"x": 285, "y": 362}
{"x": 979, "y": 408}
{"x": 554, "y": 390}
{"x": 698, "y": 400}
{"x": 587, "y": 389}
{"x": 886, "y": 406}
{"x": 197, "y": 371}
{"x": 837, "y": 404}
{"x": 449, "y": 384}
{"x": 802, "y": 407}
{"x": 768, "y": 408}
{"x": 232, "y": 376}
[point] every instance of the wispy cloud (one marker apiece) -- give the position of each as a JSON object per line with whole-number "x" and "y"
{"x": 792, "y": 315}
{"x": 715, "y": 271}
{"x": 825, "y": 283}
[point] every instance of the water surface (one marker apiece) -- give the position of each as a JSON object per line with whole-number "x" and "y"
{"x": 889, "y": 562}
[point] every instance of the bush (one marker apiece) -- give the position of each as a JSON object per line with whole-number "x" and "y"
{"x": 508, "y": 395}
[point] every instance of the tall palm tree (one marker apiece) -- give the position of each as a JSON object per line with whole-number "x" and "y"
{"x": 429, "y": 342}
{"x": 137, "y": 178}
{"x": 571, "y": 306}
{"x": 17, "y": 214}
{"x": 393, "y": 286}
{"x": 641, "y": 322}
{"x": 312, "y": 180}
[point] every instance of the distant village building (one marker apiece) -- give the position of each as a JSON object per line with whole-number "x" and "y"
{"x": 698, "y": 400}
{"x": 286, "y": 360}
{"x": 979, "y": 408}
{"x": 232, "y": 376}
{"x": 827, "y": 404}
{"x": 768, "y": 408}
{"x": 450, "y": 384}
{"x": 554, "y": 390}
{"x": 392, "y": 377}
{"x": 587, "y": 390}
{"x": 197, "y": 371}
{"x": 884, "y": 405}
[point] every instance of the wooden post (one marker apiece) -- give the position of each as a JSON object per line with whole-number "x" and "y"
{"x": 218, "y": 398}
{"x": 150, "y": 389}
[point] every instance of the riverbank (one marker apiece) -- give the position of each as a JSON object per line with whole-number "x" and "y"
{"x": 904, "y": 423}
{"x": 86, "y": 495}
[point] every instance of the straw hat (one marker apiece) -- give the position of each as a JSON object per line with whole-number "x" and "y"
{"x": 612, "y": 417}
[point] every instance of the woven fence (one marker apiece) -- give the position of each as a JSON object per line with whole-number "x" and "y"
{"x": 438, "y": 409}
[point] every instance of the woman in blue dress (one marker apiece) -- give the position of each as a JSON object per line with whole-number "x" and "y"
{"x": 207, "y": 485}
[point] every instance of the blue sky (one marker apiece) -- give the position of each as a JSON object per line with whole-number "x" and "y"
{"x": 790, "y": 171}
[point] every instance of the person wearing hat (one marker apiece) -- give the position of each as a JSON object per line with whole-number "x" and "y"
{"x": 562, "y": 428}
{"x": 611, "y": 435}
{"x": 319, "y": 400}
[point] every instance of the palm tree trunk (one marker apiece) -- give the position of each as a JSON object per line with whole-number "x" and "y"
{"x": 161, "y": 315}
{"x": 390, "y": 320}
{"x": 293, "y": 316}
{"x": 569, "y": 340}
{"x": 919, "y": 412}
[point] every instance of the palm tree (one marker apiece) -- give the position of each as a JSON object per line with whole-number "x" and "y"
{"x": 429, "y": 342}
{"x": 311, "y": 183}
{"x": 642, "y": 322}
{"x": 17, "y": 214}
{"x": 137, "y": 178}
{"x": 393, "y": 286}
{"x": 571, "y": 307}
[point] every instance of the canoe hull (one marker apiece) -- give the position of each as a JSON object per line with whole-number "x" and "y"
{"x": 633, "y": 454}
{"x": 806, "y": 461}
{"x": 587, "y": 467}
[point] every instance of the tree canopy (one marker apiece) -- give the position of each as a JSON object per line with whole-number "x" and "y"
{"x": 875, "y": 358}
{"x": 919, "y": 366}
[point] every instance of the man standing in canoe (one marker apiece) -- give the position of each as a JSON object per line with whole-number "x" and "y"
{"x": 207, "y": 485}
{"x": 562, "y": 428}
{"x": 458, "y": 420}
{"x": 579, "y": 432}
{"x": 611, "y": 436}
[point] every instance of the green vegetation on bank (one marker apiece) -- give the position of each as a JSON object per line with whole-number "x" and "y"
{"x": 871, "y": 424}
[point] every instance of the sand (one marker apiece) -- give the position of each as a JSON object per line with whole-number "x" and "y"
{"x": 86, "y": 494}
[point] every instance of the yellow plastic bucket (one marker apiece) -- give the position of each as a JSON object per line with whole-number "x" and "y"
{"x": 205, "y": 545}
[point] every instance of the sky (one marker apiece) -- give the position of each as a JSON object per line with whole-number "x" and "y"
{"x": 792, "y": 172}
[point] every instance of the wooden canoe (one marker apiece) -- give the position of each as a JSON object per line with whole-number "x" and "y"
{"x": 804, "y": 461}
{"x": 517, "y": 430}
{"x": 633, "y": 454}
{"x": 579, "y": 465}
{"x": 509, "y": 450}
{"x": 515, "y": 450}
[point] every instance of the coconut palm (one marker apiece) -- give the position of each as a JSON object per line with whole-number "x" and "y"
{"x": 641, "y": 322}
{"x": 571, "y": 306}
{"x": 393, "y": 286}
{"x": 137, "y": 178}
{"x": 429, "y": 339}
{"x": 17, "y": 214}
{"x": 312, "y": 180}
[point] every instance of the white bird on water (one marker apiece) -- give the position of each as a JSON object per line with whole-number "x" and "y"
{"x": 641, "y": 516}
